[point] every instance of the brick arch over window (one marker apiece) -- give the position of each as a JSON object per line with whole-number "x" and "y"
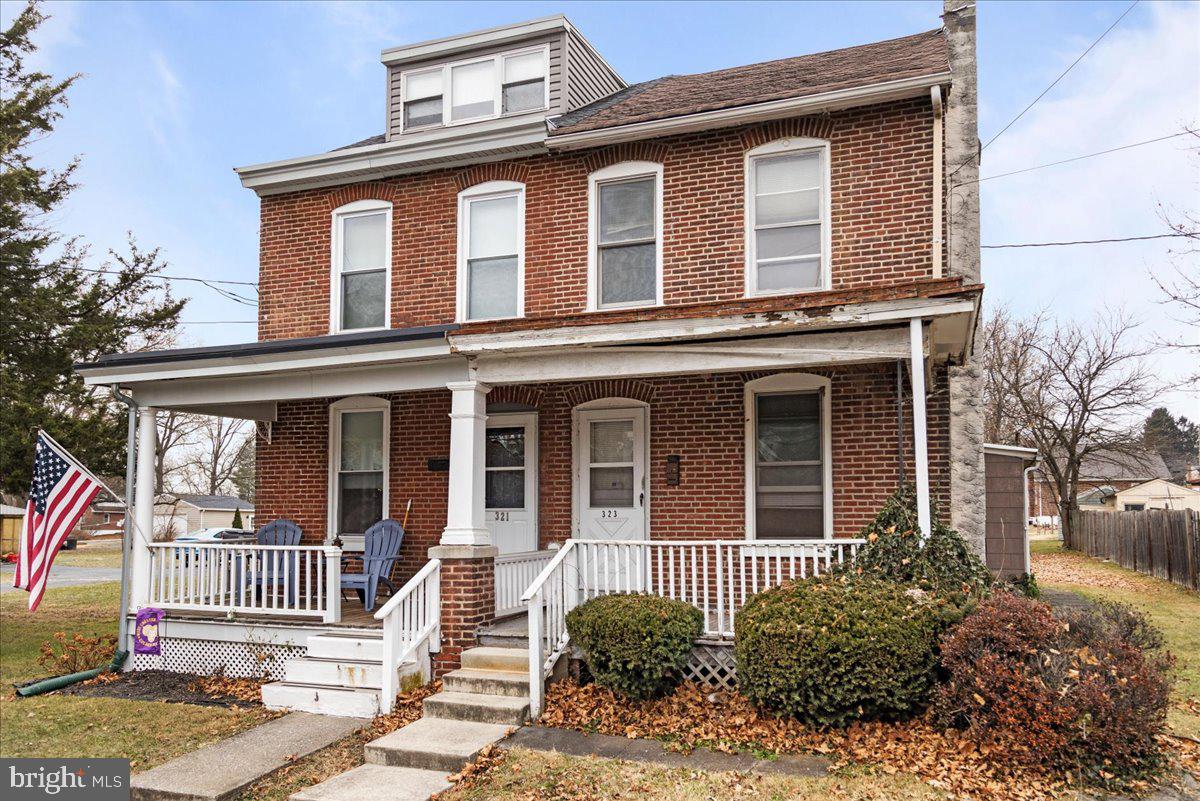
{"x": 375, "y": 190}
{"x": 655, "y": 152}
{"x": 496, "y": 171}
{"x": 818, "y": 127}
{"x": 526, "y": 396}
{"x": 613, "y": 388}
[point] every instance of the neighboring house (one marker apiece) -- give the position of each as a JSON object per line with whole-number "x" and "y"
{"x": 185, "y": 513}
{"x": 686, "y": 332}
{"x": 106, "y": 515}
{"x": 1101, "y": 475}
{"x": 1157, "y": 493}
{"x": 12, "y": 519}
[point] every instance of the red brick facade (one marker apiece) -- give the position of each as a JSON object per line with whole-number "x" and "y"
{"x": 881, "y": 172}
{"x": 698, "y": 417}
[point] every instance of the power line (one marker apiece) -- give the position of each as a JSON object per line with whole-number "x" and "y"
{"x": 1081, "y": 242}
{"x": 173, "y": 277}
{"x": 1079, "y": 158}
{"x": 218, "y": 322}
{"x": 1054, "y": 83}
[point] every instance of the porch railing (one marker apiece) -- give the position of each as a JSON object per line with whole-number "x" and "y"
{"x": 515, "y": 572}
{"x": 411, "y": 619}
{"x": 286, "y": 580}
{"x": 715, "y": 576}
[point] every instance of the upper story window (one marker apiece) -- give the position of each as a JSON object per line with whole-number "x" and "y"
{"x": 625, "y": 236}
{"x": 361, "y": 266}
{"x": 491, "y": 251}
{"x": 477, "y": 89}
{"x": 787, "y": 217}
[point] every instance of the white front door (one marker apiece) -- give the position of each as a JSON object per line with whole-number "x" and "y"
{"x": 511, "y": 467}
{"x": 611, "y": 475}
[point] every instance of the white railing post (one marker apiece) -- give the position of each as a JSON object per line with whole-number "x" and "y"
{"x": 536, "y": 678}
{"x": 391, "y": 662}
{"x": 333, "y": 584}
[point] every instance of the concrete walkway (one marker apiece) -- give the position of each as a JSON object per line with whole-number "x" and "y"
{"x": 64, "y": 576}
{"x": 221, "y": 771}
{"x": 576, "y": 743}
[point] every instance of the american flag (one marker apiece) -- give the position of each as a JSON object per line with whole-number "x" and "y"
{"x": 59, "y": 496}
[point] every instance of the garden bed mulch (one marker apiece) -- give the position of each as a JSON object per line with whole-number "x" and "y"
{"x": 179, "y": 688}
{"x": 695, "y": 716}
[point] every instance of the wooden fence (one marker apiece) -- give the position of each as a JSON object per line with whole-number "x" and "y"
{"x": 1158, "y": 542}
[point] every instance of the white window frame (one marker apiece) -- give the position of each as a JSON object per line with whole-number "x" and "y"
{"x": 487, "y": 191}
{"x": 776, "y": 148}
{"x": 497, "y": 60}
{"x": 625, "y": 171}
{"x": 783, "y": 384}
{"x": 359, "y": 208}
{"x": 362, "y": 403}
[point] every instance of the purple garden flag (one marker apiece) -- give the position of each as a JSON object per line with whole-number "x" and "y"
{"x": 145, "y": 630}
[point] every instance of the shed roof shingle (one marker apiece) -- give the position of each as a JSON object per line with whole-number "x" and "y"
{"x": 679, "y": 95}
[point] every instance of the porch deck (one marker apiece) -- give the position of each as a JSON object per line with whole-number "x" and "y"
{"x": 353, "y": 616}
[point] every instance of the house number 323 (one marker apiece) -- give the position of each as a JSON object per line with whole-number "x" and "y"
{"x": 608, "y": 512}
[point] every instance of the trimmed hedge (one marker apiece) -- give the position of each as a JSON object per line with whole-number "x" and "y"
{"x": 634, "y": 644}
{"x": 837, "y": 649}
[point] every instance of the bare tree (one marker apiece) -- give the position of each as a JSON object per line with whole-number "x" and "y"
{"x": 1181, "y": 291}
{"x": 1070, "y": 391}
{"x": 176, "y": 432}
{"x": 213, "y": 460}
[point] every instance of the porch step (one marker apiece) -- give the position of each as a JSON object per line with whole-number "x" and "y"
{"x": 350, "y": 647}
{"x": 321, "y": 698}
{"x": 478, "y": 708}
{"x": 512, "y": 632}
{"x": 434, "y": 744}
{"x": 487, "y": 682}
{"x": 377, "y": 783}
{"x": 334, "y": 672}
{"x": 512, "y": 660}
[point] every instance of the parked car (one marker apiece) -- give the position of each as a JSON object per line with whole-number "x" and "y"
{"x": 235, "y": 535}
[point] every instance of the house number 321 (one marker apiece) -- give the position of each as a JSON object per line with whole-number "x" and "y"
{"x": 501, "y": 517}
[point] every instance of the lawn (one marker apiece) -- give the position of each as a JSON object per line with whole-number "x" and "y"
{"x": 145, "y": 732}
{"x": 92, "y": 554}
{"x": 521, "y": 774}
{"x": 1173, "y": 609}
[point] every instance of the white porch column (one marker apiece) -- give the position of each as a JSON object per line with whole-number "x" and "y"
{"x": 920, "y": 436}
{"x": 465, "y": 521}
{"x": 143, "y": 509}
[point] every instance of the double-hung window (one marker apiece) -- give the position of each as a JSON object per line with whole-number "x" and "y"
{"x": 359, "y": 463}
{"x": 625, "y": 233}
{"x": 362, "y": 261}
{"x": 491, "y": 268}
{"x": 476, "y": 89}
{"x": 787, "y": 217}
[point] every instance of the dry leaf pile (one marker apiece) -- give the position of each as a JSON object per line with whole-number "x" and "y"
{"x": 694, "y": 716}
{"x": 220, "y": 687}
{"x": 1078, "y": 569}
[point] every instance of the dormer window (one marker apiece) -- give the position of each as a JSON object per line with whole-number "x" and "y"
{"x": 476, "y": 89}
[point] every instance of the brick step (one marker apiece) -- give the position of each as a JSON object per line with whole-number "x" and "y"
{"x": 434, "y": 744}
{"x": 478, "y": 708}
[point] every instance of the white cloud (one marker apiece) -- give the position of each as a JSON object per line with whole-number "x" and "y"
{"x": 363, "y": 29}
{"x": 165, "y": 115}
{"x": 1141, "y": 82}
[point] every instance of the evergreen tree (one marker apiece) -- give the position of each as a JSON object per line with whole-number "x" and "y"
{"x": 57, "y": 311}
{"x": 1175, "y": 439}
{"x": 237, "y": 519}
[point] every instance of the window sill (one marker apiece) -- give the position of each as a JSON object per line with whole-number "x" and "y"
{"x": 780, "y": 292}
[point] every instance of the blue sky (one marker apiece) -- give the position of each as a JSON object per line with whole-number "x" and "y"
{"x": 174, "y": 95}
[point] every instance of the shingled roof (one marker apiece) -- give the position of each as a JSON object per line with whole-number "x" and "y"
{"x": 818, "y": 73}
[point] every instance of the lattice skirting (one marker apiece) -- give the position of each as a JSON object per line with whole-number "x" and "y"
{"x": 712, "y": 664}
{"x": 206, "y": 657}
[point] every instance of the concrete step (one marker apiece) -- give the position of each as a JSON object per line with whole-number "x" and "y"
{"x": 334, "y": 672}
{"x": 351, "y": 647}
{"x": 434, "y": 744}
{"x": 322, "y": 699}
{"x": 377, "y": 783}
{"x": 511, "y": 632}
{"x": 513, "y": 660}
{"x": 487, "y": 682}
{"x": 478, "y": 708}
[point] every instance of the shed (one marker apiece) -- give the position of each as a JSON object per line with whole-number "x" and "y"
{"x": 1007, "y": 521}
{"x": 11, "y": 520}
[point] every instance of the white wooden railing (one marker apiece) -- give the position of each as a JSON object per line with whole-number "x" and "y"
{"x": 515, "y": 572}
{"x": 411, "y": 621}
{"x": 715, "y": 576}
{"x": 287, "y": 580}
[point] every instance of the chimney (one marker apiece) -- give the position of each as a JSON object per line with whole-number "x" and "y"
{"x": 962, "y": 142}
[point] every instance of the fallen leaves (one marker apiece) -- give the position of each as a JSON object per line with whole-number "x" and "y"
{"x": 223, "y": 687}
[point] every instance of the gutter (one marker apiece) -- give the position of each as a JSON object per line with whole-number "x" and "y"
{"x": 127, "y": 534}
{"x": 758, "y": 112}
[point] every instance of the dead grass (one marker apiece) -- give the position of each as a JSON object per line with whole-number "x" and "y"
{"x": 521, "y": 775}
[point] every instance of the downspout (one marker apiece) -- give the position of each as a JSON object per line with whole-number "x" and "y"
{"x": 127, "y": 535}
{"x": 1037, "y": 460}
{"x": 935, "y": 94}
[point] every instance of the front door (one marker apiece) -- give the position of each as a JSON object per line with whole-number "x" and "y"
{"x": 510, "y": 484}
{"x": 611, "y": 478}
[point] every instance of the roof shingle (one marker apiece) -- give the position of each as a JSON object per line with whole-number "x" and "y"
{"x": 818, "y": 73}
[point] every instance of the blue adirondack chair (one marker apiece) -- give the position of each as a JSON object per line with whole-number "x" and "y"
{"x": 271, "y": 569}
{"x": 381, "y": 549}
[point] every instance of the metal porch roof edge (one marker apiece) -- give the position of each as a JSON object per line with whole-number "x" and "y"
{"x": 269, "y": 347}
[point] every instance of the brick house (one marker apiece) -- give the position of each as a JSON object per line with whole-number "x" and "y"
{"x": 703, "y": 324}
